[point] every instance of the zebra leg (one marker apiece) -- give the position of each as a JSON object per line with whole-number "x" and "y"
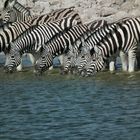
{"x": 50, "y": 68}
{"x": 124, "y": 60}
{"x": 112, "y": 66}
{"x": 131, "y": 60}
{"x": 61, "y": 59}
{"x": 112, "y": 63}
{"x": 32, "y": 59}
{"x": 19, "y": 67}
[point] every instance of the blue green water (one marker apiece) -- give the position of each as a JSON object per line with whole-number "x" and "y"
{"x": 57, "y": 107}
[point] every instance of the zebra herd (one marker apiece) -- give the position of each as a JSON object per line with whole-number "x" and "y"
{"x": 85, "y": 48}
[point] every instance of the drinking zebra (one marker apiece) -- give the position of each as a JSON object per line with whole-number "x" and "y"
{"x": 125, "y": 38}
{"x": 10, "y": 32}
{"x": 32, "y": 40}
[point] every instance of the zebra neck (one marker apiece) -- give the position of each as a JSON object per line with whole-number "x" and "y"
{"x": 21, "y": 9}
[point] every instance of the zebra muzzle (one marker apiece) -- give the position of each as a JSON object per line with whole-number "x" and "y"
{"x": 8, "y": 69}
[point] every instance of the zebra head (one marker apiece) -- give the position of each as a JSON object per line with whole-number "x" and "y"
{"x": 13, "y": 59}
{"x": 67, "y": 63}
{"x": 69, "y": 60}
{"x": 82, "y": 61}
{"x": 90, "y": 61}
{"x": 83, "y": 58}
{"x": 4, "y": 16}
{"x": 94, "y": 66}
{"x": 44, "y": 61}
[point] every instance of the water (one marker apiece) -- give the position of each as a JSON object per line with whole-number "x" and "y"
{"x": 56, "y": 107}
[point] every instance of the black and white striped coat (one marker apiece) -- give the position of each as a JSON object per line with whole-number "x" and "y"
{"x": 36, "y": 36}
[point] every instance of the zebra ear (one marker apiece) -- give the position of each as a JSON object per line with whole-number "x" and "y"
{"x": 9, "y": 3}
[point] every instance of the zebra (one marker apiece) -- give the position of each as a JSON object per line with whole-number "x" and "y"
{"x": 125, "y": 38}
{"x": 32, "y": 40}
{"x": 89, "y": 46}
{"x": 112, "y": 59}
{"x": 85, "y": 59}
{"x": 10, "y": 32}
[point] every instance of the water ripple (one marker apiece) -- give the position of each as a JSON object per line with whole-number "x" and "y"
{"x": 72, "y": 108}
